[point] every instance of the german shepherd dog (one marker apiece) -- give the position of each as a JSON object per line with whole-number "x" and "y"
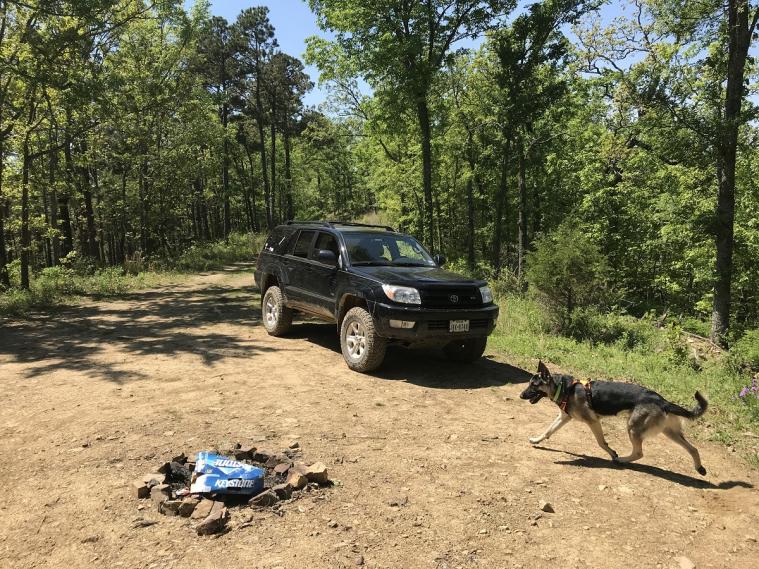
{"x": 650, "y": 413}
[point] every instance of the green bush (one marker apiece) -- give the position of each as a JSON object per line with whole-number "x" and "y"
{"x": 110, "y": 282}
{"x": 506, "y": 283}
{"x": 744, "y": 354}
{"x": 627, "y": 332}
{"x": 696, "y": 326}
{"x": 567, "y": 271}
{"x": 203, "y": 257}
{"x": 53, "y": 283}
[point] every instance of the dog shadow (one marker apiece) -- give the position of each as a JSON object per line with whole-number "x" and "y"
{"x": 586, "y": 461}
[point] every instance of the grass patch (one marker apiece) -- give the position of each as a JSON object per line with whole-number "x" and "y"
{"x": 59, "y": 285}
{"x": 652, "y": 360}
{"x": 55, "y": 286}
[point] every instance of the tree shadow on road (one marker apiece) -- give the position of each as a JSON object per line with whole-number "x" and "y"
{"x": 159, "y": 322}
{"x": 423, "y": 367}
{"x": 586, "y": 461}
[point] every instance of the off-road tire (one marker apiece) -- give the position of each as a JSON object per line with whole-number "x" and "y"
{"x": 277, "y": 317}
{"x": 363, "y": 349}
{"x": 465, "y": 350}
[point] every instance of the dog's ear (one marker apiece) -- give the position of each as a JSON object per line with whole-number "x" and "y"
{"x": 543, "y": 371}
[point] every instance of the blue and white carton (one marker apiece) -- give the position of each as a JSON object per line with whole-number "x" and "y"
{"x": 223, "y": 475}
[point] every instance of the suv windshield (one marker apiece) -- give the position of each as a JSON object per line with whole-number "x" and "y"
{"x": 385, "y": 249}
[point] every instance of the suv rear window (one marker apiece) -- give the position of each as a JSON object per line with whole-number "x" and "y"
{"x": 303, "y": 244}
{"x": 277, "y": 241}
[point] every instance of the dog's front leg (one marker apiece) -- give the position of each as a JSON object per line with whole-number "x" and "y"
{"x": 598, "y": 431}
{"x": 558, "y": 423}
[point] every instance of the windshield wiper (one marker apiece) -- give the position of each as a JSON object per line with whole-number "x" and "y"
{"x": 371, "y": 264}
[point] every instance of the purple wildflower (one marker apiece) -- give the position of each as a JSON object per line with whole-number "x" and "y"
{"x": 743, "y": 392}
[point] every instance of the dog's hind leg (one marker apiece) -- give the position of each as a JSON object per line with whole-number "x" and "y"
{"x": 637, "y": 450}
{"x": 598, "y": 432}
{"x": 558, "y": 423}
{"x": 676, "y": 436}
{"x": 645, "y": 421}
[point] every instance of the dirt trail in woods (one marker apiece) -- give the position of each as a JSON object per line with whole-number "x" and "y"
{"x": 188, "y": 367}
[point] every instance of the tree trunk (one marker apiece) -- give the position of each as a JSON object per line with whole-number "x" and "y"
{"x": 26, "y": 237}
{"x": 67, "y": 244}
{"x": 273, "y": 129}
{"x": 288, "y": 174}
{"x": 89, "y": 214}
{"x": 268, "y": 203}
{"x": 537, "y": 212}
{"x": 123, "y": 221}
{"x": 145, "y": 244}
{"x": 225, "y": 173}
{"x": 63, "y": 201}
{"x": 423, "y": 115}
{"x": 100, "y": 233}
{"x": 4, "y": 278}
{"x": 56, "y": 242}
{"x": 500, "y": 202}
{"x": 470, "y": 258}
{"x": 240, "y": 169}
{"x": 470, "y": 255}
{"x": 522, "y": 218}
{"x": 740, "y": 28}
{"x": 256, "y": 226}
{"x": 47, "y": 245}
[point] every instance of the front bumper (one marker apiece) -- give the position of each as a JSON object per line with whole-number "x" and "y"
{"x": 432, "y": 323}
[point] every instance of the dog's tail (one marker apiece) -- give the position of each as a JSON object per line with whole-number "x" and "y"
{"x": 700, "y": 408}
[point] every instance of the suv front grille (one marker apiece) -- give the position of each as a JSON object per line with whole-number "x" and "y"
{"x": 444, "y": 324}
{"x": 444, "y": 297}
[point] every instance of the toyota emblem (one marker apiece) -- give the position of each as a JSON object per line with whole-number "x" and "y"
{"x": 454, "y": 298}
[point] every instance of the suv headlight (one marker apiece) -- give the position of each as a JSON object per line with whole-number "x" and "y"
{"x": 487, "y": 294}
{"x": 402, "y": 294}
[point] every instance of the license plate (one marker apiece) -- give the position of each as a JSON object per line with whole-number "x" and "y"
{"x": 458, "y": 326}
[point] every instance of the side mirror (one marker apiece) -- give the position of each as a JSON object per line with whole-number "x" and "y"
{"x": 327, "y": 257}
{"x": 439, "y": 260}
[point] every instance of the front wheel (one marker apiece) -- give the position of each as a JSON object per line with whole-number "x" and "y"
{"x": 363, "y": 349}
{"x": 466, "y": 351}
{"x": 276, "y": 316}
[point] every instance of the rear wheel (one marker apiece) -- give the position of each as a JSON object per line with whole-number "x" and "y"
{"x": 467, "y": 351}
{"x": 363, "y": 349}
{"x": 276, "y": 316}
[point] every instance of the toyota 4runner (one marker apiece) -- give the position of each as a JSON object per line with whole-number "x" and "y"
{"x": 378, "y": 285}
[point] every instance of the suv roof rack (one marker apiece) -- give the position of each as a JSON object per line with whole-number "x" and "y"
{"x": 319, "y": 223}
{"x": 332, "y": 224}
{"x": 352, "y": 224}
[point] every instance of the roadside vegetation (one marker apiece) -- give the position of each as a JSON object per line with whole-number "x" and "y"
{"x": 73, "y": 278}
{"x": 624, "y": 348}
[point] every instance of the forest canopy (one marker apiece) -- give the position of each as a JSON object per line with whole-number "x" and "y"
{"x": 131, "y": 128}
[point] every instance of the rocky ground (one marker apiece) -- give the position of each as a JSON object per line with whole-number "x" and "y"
{"x": 431, "y": 462}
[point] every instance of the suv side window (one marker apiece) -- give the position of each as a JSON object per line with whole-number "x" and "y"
{"x": 327, "y": 242}
{"x": 303, "y": 244}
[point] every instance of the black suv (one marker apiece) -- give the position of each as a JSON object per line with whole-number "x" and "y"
{"x": 379, "y": 286}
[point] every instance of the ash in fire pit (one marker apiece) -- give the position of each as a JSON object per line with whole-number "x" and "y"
{"x": 204, "y": 488}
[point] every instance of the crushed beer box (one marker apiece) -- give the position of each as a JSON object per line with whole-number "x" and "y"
{"x": 223, "y": 475}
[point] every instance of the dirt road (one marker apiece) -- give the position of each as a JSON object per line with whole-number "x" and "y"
{"x": 99, "y": 393}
